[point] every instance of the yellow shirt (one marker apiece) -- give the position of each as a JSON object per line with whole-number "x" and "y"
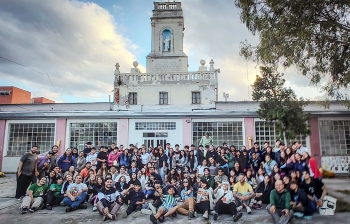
{"x": 242, "y": 189}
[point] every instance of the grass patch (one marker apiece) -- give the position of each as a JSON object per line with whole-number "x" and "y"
{"x": 344, "y": 191}
{"x": 342, "y": 206}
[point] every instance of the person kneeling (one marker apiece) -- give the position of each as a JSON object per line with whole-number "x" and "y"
{"x": 280, "y": 204}
{"x": 109, "y": 201}
{"x": 76, "y": 195}
{"x": 165, "y": 209}
{"x": 225, "y": 202}
{"x": 34, "y": 200}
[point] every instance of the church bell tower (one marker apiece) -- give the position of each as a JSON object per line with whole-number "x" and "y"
{"x": 167, "y": 53}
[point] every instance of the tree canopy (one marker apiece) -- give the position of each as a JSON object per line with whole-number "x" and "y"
{"x": 313, "y": 36}
{"x": 280, "y": 105}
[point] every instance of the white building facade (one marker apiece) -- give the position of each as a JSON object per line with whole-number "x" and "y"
{"x": 168, "y": 103}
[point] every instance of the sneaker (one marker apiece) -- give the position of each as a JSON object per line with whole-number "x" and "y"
{"x": 205, "y": 215}
{"x": 82, "y": 206}
{"x": 254, "y": 206}
{"x": 24, "y": 210}
{"x": 48, "y": 207}
{"x": 236, "y": 217}
{"x": 249, "y": 211}
{"x": 216, "y": 215}
{"x": 153, "y": 219}
{"x": 307, "y": 217}
{"x": 258, "y": 206}
{"x": 31, "y": 210}
{"x": 136, "y": 214}
{"x": 174, "y": 215}
{"x": 69, "y": 209}
{"x": 239, "y": 208}
{"x": 123, "y": 211}
{"x": 94, "y": 209}
{"x": 153, "y": 209}
{"x": 161, "y": 219}
{"x": 62, "y": 204}
{"x": 190, "y": 215}
{"x": 146, "y": 212}
{"x": 195, "y": 214}
{"x": 298, "y": 214}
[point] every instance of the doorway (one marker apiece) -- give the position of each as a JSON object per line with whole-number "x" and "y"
{"x": 153, "y": 139}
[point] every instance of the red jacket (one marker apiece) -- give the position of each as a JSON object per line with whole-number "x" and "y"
{"x": 314, "y": 167}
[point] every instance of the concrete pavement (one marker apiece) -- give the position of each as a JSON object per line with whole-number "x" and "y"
{"x": 9, "y": 212}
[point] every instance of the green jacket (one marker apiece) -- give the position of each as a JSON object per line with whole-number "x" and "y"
{"x": 211, "y": 181}
{"x": 281, "y": 201}
{"x": 206, "y": 141}
{"x": 231, "y": 159}
{"x": 57, "y": 191}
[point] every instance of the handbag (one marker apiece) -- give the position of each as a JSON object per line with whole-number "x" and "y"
{"x": 328, "y": 206}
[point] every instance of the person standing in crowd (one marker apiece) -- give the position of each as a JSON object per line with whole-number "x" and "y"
{"x": 269, "y": 164}
{"x": 54, "y": 157}
{"x": 66, "y": 161}
{"x": 43, "y": 164}
{"x": 26, "y": 172}
{"x": 109, "y": 201}
{"x": 88, "y": 149}
{"x": 112, "y": 147}
{"x": 113, "y": 157}
{"x": 92, "y": 158}
{"x": 280, "y": 207}
{"x": 35, "y": 199}
{"x": 102, "y": 157}
{"x": 206, "y": 140}
{"x": 81, "y": 161}
{"x": 162, "y": 164}
{"x": 312, "y": 165}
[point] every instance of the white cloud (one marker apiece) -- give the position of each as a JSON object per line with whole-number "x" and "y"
{"x": 76, "y": 43}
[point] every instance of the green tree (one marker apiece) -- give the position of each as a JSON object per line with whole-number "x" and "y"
{"x": 313, "y": 36}
{"x": 279, "y": 105}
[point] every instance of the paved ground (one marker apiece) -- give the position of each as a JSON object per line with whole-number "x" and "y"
{"x": 9, "y": 212}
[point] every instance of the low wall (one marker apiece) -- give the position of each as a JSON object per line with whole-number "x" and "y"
{"x": 337, "y": 164}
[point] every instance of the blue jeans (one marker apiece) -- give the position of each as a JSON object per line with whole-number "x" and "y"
{"x": 75, "y": 204}
{"x": 149, "y": 192}
{"x": 161, "y": 172}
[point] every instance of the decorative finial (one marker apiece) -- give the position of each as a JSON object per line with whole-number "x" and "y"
{"x": 117, "y": 66}
{"x": 211, "y": 63}
{"x": 135, "y": 64}
{"x": 202, "y": 62}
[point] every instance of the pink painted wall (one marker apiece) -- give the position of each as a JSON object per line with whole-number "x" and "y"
{"x": 61, "y": 135}
{"x": 315, "y": 148}
{"x": 123, "y": 131}
{"x": 249, "y": 130}
{"x": 2, "y": 140}
{"x": 186, "y": 132}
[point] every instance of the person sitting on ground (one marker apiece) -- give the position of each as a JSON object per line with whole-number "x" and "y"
{"x": 165, "y": 210}
{"x": 301, "y": 204}
{"x": 34, "y": 200}
{"x": 109, "y": 201}
{"x": 72, "y": 172}
{"x": 76, "y": 195}
{"x": 54, "y": 195}
{"x": 314, "y": 188}
{"x": 262, "y": 193}
{"x": 151, "y": 207}
{"x": 102, "y": 172}
{"x": 136, "y": 200}
{"x": 225, "y": 203}
{"x": 189, "y": 203}
{"x": 280, "y": 208}
{"x": 269, "y": 164}
{"x": 243, "y": 192}
{"x": 204, "y": 200}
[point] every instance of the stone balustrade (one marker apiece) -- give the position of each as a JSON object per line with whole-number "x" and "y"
{"x": 149, "y": 78}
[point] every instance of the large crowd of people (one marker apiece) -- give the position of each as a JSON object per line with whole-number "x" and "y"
{"x": 161, "y": 182}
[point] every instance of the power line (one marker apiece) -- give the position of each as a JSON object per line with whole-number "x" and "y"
{"x": 48, "y": 76}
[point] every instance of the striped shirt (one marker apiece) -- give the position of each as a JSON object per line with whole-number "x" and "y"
{"x": 169, "y": 201}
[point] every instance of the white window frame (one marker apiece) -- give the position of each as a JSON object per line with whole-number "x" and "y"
{"x": 162, "y": 98}
{"x": 133, "y": 99}
{"x": 70, "y": 121}
{"x": 7, "y": 131}
{"x": 200, "y": 97}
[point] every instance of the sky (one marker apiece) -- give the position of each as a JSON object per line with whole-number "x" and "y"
{"x": 71, "y": 46}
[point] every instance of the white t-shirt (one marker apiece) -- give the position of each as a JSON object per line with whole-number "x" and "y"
{"x": 74, "y": 188}
{"x": 92, "y": 159}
